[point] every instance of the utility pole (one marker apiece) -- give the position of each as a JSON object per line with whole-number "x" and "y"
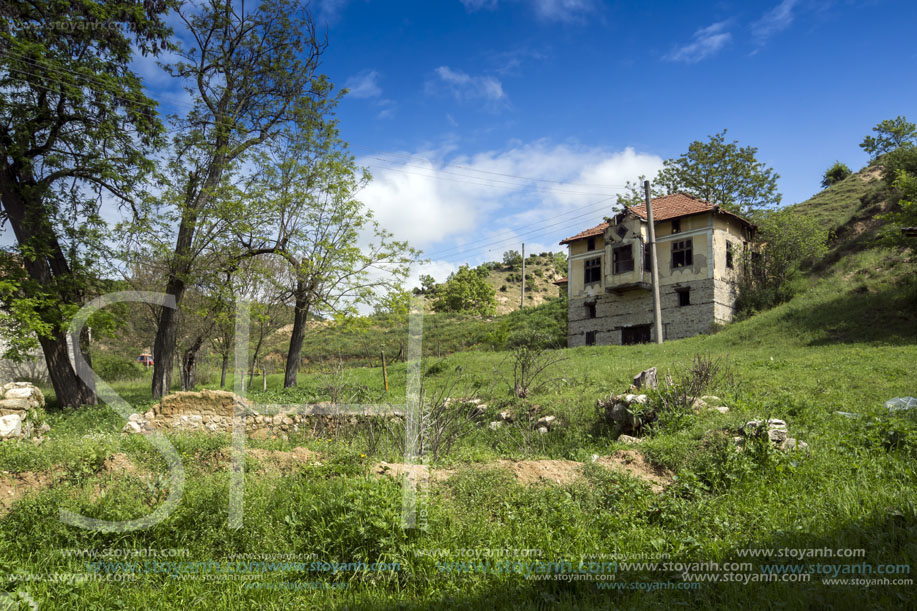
{"x": 522, "y": 299}
{"x": 654, "y": 266}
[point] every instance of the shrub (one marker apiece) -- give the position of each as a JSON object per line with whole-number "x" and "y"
{"x": 836, "y": 173}
{"x": 111, "y": 367}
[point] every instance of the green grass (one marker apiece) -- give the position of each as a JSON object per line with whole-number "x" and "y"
{"x": 847, "y": 344}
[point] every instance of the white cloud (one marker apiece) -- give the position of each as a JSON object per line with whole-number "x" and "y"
{"x": 330, "y": 11}
{"x": 471, "y": 208}
{"x": 467, "y": 87}
{"x": 774, "y": 21}
{"x": 563, "y": 10}
{"x": 567, "y": 11}
{"x": 706, "y": 43}
{"x": 364, "y": 84}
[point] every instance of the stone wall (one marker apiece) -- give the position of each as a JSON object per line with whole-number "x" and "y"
{"x": 20, "y": 403}
{"x": 711, "y": 302}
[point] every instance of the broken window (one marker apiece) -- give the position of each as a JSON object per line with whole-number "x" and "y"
{"x": 623, "y": 259}
{"x": 684, "y": 297}
{"x": 730, "y": 248}
{"x": 676, "y": 225}
{"x": 621, "y": 231}
{"x": 590, "y": 244}
{"x": 590, "y": 310}
{"x": 681, "y": 254}
{"x": 592, "y": 269}
{"x": 590, "y": 338}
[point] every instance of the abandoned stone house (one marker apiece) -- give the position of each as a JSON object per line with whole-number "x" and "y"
{"x": 609, "y": 286}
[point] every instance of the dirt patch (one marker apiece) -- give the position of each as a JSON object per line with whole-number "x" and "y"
{"x": 278, "y": 460}
{"x": 633, "y": 463}
{"x": 534, "y": 472}
{"x": 531, "y": 472}
{"x": 121, "y": 464}
{"x": 14, "y": 486}
{"x": 416, "y": 473}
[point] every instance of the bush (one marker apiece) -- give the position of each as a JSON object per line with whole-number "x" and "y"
{"x": 836, "y": 173}
{"x": 111, "y": 367}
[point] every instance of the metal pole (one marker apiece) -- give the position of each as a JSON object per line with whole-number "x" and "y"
{"x": 654, "y": 266}
{"x": 522, "y": 299}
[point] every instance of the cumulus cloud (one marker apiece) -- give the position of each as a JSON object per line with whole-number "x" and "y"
{"x": 471, "y": 208}
{"x": 364, "y": 84}
{"x": 705, "y": 43}
{"x": 774, "y": 21}
{"x": 464, "y": 86}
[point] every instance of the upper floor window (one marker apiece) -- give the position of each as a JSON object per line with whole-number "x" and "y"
{"x": 681, "y": 253}
{"x": 730, "y": 255}
{"x": 621, "y": 231}
{"x": 676, "y": 225}
{"x": 592, "y": 270}
{"x": 590, "y": 244}
{"x": 647, "y": 259}
{"x": 590, "y": 310}
{"x": 623, "y": 259}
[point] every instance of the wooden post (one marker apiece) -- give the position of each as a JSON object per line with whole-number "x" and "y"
{"x": 522, "y": 299}
{"x": 654, "y": 266}
{"x": 384, "y": 372}
{"x": 264, "y": 378}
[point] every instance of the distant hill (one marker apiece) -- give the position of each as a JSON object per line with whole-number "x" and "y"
{"x": 541, "y": 271}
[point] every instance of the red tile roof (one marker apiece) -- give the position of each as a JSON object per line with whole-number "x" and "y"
{"x": 589, "y": 233}
{"x": 664, "y": 208}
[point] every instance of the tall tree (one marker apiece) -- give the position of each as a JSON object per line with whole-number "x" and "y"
{"x": 338, "y": 257}
{"x": 890, "y": 135}
{"x": 250, "y": 74}
{"x": 722, "y": 173}
{"x": 76, "y": 126}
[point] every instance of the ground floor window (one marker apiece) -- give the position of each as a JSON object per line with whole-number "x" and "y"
{"x": 684, "y": 297}
{"x": 590, "y": 338}
{"x": 635, "y": 335}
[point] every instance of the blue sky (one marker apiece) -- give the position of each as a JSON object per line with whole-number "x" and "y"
{"x": 456, "y": 105}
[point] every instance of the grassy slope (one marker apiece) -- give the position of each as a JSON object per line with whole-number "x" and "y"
{"x": 848, "y": 344}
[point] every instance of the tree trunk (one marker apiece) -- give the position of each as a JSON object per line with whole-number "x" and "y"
{"x": 223, "y": 368}
{"x": 34, "y": 232}
{"x": 300, "y": 313}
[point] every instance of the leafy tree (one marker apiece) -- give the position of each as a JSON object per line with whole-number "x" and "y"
{"x": 427, "y": 284}
{"x": 512, "y": 258}
{"x": 906, "y": 213}
{"x": 466, "y": 291}
{"x": 251, "y": 73}
{"x": 784, "y": 243}
{"x": 890, "y": 135}
{"x": 836, "y": 173}
{"x": 77, "y": 127}
{"x": 337, "y": 255}
{"x": 723, "y": 174}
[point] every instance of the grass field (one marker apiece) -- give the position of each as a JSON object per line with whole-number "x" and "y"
{"x": 605, "y": 537}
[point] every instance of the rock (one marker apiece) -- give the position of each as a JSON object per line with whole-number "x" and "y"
{"x": 149, "y": 415}
{"x": 24, "y": 390}
{"x": 214, "y": 402}
{"x": 44, "y": 428}
{"x": 721, "y": 409}
{"x": 776, "y": 435}
{"x": 495, "y": 425}
{"x": 901, "y": 404}
{"x": 630, "y": 399}
{"x": 546, "y": 421}
{"x": 543, "y": 430}
{"x": 506, "y": 416}
{"x": 789, "y": 444}
{"x": 712, "y": 399}
{"x": 738, "y": 442}
{"x": 628, "y": 439}
{"x": 646, "y": 378}
{"x": 135, "y": 418}
{"x": 132, "y": 427}
{"x": 751, "y": 427}
{"x": 698, "y": 405}
{"x": 775, "y": 424}
{"x": 14, "y": 405}
{"x": 10, "y": 426}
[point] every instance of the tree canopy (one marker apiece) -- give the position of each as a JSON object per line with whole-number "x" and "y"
{"x": 466, "y": 291}
{"x": 890, "y": 134}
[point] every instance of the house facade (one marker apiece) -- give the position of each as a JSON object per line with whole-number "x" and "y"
{"x": 699, "y": 247}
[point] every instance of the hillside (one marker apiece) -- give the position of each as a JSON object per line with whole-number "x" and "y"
{"x": 541, "y": 271}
